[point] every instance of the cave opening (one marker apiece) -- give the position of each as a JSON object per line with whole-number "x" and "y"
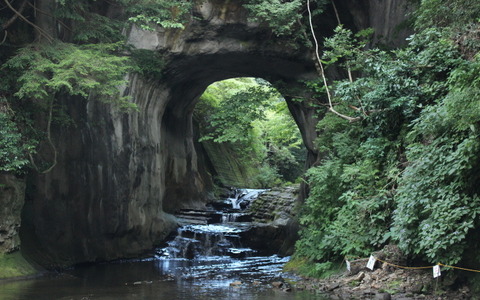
{"x": 248, "y": 135}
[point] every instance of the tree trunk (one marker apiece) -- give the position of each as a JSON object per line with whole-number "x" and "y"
{"x": 44, "y": 10}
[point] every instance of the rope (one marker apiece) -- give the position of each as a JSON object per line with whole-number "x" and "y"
{"x": 459, "y": 268}
{"x": 404, "y": 267}
{"x": 414, "y": 268}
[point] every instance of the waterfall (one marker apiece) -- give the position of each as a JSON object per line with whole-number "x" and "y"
{"x": 213, "y": 233}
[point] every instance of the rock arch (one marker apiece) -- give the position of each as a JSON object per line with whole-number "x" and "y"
{"x": 118, "y": 175}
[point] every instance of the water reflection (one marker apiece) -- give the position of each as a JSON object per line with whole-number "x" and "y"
{"x": 161, "y": 279}
{"x": 201, "y": 262}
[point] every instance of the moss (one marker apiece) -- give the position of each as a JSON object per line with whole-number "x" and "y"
{"x": 305, "y": 267}
{"x": 231, "y": 168}
{"x": 395, "y": 284}
{"x": 354, "y": 283}
{"x": 392, "y": 287}
{"x": 14, "y": 265}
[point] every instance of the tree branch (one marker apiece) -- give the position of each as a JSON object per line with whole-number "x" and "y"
{"x": 49, "y": 138}
{"x": 15, "y": 16}
{"x": 349, "y": 70}
{"x": 336, "y": 12}
{"x": 49, "y": 15}
{"x": 4, "y": 38}
{"x": 40, "y": 30}
{"x": 322, "y": 70}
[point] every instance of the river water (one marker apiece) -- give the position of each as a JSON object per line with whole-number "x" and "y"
{"x": 204, "y": 260}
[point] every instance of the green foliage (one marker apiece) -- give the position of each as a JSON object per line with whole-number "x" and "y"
{"x": 234, "y": 116}
{"x": 395, "y": 84}
{"x": 405, "y": 172}
{"x": 164, "y": 13}
{"x": 250, "y": 115}
{"x": 92, "y": 25}
{"x": 344, "y": 45}
{"x": 13, "y": 149}
{"x": 148, "y": 63}
{"x": 61, "y": 68}
{"x": 307, "y": 268}
{"x": 435, "y": 210}
{"x": 280, "y": 15}
{"x": 285, "y": 18}
{"x": 348, "y": 209}
{"x": 437, "y": 192}
{"x": 87, "y": 24}
{"x": 447, "y": 13}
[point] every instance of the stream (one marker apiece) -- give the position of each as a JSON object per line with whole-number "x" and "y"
{"x": 205, "y": 259}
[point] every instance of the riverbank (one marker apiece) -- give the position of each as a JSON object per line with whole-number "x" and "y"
{"x": 13, "y": 266}
{"x": 387, "y": 282}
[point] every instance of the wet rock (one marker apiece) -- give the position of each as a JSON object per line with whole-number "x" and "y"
{"x": 273, "y": 213}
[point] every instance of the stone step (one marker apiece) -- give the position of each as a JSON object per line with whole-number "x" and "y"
{"x": 200, "y": 217}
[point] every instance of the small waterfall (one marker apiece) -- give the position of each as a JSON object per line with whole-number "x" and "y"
{"x": 194, "y": 241}
{"x": 243, "y": 197}
{"x": 211, "y": 232}
{"x": 235, "y": 203}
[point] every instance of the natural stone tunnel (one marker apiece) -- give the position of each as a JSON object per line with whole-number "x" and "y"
{"x": 120, "y": 175}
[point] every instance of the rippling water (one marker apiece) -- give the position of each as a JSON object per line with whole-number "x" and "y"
{"x": 201, "y": 262}
{"x": 157, "y": 278}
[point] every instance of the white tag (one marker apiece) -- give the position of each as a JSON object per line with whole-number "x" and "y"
{"x": 348, "y": 265}
{"x": 436, "y": 271}
{"x": 371, "y": 262}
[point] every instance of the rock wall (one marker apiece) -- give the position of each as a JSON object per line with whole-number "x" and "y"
{"x": 227, "y": 168}
{"x": 120, "y": 175}
{"x": 104, "y": 198}
{"x": 12, "y": 195}
{"x": 274, "y": 214}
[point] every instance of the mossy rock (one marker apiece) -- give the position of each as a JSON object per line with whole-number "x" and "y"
{"x": 14, "y": 265}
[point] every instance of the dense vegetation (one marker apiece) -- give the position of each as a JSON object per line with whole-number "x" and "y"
{"x": 403, "y": 169}
{"x": 252, "y": 118}
{"x": 399, "y": 137}
{"x": 76, "y": 48}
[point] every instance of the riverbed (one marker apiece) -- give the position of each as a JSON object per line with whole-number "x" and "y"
{"x": 207, "y": 258}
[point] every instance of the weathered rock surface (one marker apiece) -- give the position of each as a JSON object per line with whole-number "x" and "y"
{"x": 12, "y": 197}
{"x": 273, "y": 214}
{"x": 120, "y": 175}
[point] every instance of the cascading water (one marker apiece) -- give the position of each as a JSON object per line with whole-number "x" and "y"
{"x": 213, "y": 236}
{"x": 194, "y": 241}
{"x": 210, "y": 246}
{"x": 207, "y": 259}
